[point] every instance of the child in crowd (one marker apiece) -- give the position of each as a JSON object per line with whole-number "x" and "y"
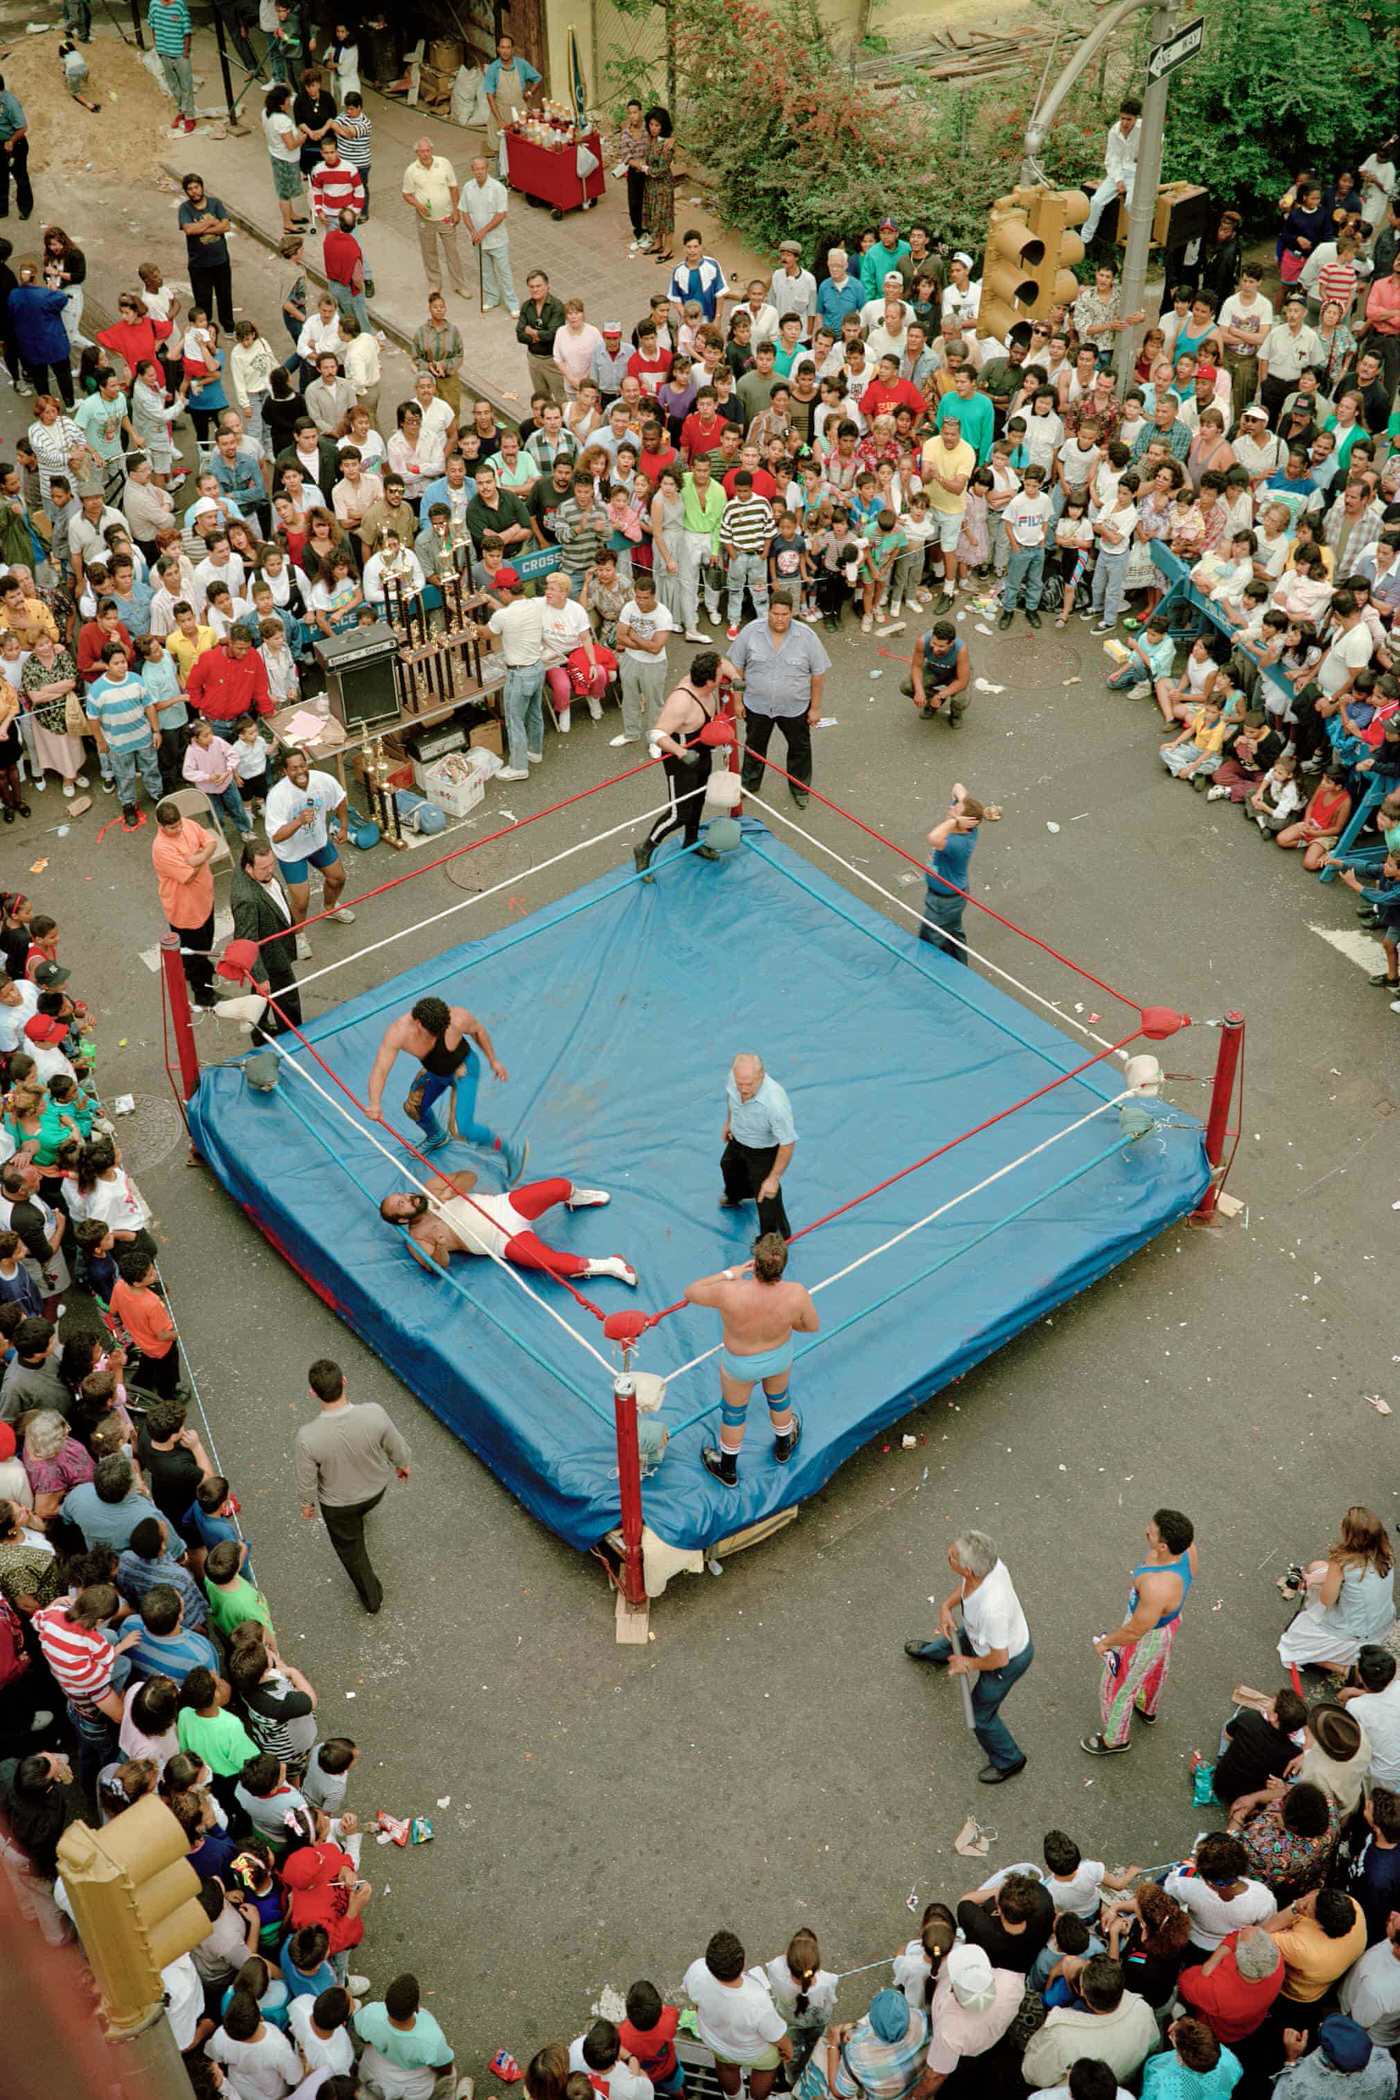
{"x": 648, "y": 2035}
{"x": 598, "y": 2054}
{"x": 1195, "y": 752}
{"x": 974, "y": 540}
{"x": 328, "y": 1774}
{"x": 1278, "y": 797}
{"x": 804, "y": 1993}
{"x": 917, "y": 1965}
{"x": 1072, "y": 1942}
{"x": 232, "y": 1598}
{"x": 1149, "y": 658}
{"x": 142, "y": 1311}
{"x": 1074, "y": 545}
{"x": 1072, "y": 1882}
{"x": 788, "y": 566}
{"x": 886, "y": 545}
{"x": 919, "y": 526}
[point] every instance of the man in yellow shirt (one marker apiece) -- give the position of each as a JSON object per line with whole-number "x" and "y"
{"x": 187, "y": 642}
{"x": 433, "y": 194}
{"x": 1319, "y": 1937}
{"x": 947, "y": 466}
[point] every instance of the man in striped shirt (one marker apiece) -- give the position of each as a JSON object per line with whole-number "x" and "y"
{"x": 121, "y": 711}
{"x": 581, "y": 528}
{"x": 745, "y": 534}
{"x": 168, "y": 1643}
{"x": 169, "y": 24}
{"x": 335, "y": 185}
{"x": 86, "y": 1669}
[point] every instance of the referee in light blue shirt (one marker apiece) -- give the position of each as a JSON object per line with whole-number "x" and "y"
{"x": 759, "y": 1136}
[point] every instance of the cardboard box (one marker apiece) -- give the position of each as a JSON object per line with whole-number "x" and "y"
{"x": 489, "y": 737}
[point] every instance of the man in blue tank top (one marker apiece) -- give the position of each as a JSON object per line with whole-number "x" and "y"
{"x": 1137, "y": 1653}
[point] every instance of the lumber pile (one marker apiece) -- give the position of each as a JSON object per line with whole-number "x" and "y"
{"x": 969, "y": 54}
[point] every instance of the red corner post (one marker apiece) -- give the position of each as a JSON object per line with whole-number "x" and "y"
{"x": 177, "y": 999}
{"x": 1222, "y": 1094}
{"x": 629, "y": 1481}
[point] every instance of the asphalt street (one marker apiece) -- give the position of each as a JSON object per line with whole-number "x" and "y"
{"x": 770, "y": 1758}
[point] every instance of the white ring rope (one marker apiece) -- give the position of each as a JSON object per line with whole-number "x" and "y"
{"x": 956, "y": 940}
{"x": 595, "y": 838}
{"x": 363, "y": 1130}
{"x": 951, "y": 1204}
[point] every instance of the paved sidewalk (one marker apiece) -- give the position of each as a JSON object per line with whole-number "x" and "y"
{"x": 585, "y": 254}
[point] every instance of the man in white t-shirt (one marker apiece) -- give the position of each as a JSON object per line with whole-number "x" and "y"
{"x": 642, "y": 627}
{"x": 736, "y": 2018}
{"x": 1377, "y": 1707}
{"x": 1026, "y": 519}
{"x": 496, "y": 1223}
{"x": 305, "y": 815}
{"x": 992, "y": 1647}
{"x": 518, "y": 623}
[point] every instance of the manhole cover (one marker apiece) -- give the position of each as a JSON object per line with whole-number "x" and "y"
{"x": 150, "y": 1133}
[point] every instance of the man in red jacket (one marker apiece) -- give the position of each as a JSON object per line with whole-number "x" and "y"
{"x": 230, "y": 680}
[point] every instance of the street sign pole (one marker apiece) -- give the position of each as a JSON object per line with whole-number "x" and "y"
{"x": 1144, "y": 204}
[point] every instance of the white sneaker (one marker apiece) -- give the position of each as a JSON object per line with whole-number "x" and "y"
{"x": 866, "y": 623}
{"x": 1140, "y": 692}
{"x": 615, "y": 743}
{"x": 563, "y": 720}
{"x": 894, "y": 609}
{"x": 613, "y": 1265}
{"x": 83, "y": 781}
{"x": 595, "y": 708}
{"x": 40, "y": 784}
{"x": 69, "y": 790}
{"x": 1216, "y": 794}
{"x": 303, "y": 948}
{"x": 514, "y": 773}
{"x": 536, "y": 758}
{"x": 586, "y": 1199}
{"x": 343, "y": 917}
{"x": 693, "y": 634}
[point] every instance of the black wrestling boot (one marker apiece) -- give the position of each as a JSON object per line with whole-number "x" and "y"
{"x": 641, "y": 856}
{"x": 723, "y": 1464}
{"x": 784, "y": 1446}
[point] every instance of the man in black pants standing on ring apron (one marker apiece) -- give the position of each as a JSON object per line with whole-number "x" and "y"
{"x": 684, "y": 713}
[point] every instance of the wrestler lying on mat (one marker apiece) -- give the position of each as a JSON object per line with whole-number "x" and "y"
{"x": 451, "y": 1220}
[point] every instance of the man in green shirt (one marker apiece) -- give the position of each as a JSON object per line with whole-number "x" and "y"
{"x": 877, "y": 262}
{"x": 437, "y": 348}
{"x": 971, "y": 411}
{"x": 400, "y": 2037}
{"x": 702, "y": 509}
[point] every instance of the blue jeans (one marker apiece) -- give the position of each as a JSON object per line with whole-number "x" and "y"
{"x": 230, "y": 801}
{"x": 353, "y": 303}
{"x": 989, "y": 1688}
{"x": 127, "y": 764}
{"x": 524, "y": 713}
{"x": 1023, "y": 574}
{"x": 430, "y": 1090}
{"x": 750, "y": 569}
{"x": 943, "y": 916}
{"x": 1107, "y": 594}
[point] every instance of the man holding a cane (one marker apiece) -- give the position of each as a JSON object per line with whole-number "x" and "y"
{"x": 483, "y": 207}
{"x": 989, "y": 1651}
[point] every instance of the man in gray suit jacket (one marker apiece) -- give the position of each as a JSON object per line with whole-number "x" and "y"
{"x": 262, "y": 913}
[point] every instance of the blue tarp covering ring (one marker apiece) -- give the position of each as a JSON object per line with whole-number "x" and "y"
{"x": 618, "y": 1011}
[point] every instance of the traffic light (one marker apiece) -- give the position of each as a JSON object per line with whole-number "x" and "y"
{"x": 1030, "y": 254}
{"x": 133, "y": 1893}
{"x": 1182, "y": 213}
{"x": 1013, "y": 254}
{"x": 1054, "y": 215}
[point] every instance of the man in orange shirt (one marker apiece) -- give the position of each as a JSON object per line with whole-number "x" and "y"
{"x": 146, "y": 1317}
{"x": 180, "y": 854}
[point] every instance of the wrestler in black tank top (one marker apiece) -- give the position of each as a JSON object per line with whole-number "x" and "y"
{"x": 708, "y": 712}
{"x": 442, "y": 1062}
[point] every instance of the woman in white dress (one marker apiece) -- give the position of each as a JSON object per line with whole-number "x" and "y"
{"x": 1350, "y": 1597}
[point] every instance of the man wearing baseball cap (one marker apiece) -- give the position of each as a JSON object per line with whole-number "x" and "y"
{"x": 973, "y": 2006}
{"x": 518, "y": 624}
{"x": 1256, "y": 448}
{"x": 887, "y": 254}
{"x": 610, "y": 360}
{"x": 44, "y": 1036}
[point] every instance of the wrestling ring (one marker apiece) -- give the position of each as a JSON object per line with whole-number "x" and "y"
{"x": 970, "y": 1155}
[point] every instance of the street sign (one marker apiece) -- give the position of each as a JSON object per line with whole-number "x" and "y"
{"x": 1174, "y": 52}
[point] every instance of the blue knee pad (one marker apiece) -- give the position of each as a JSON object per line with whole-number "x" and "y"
{"x": 779, "y": 1403}
{"x": 731, "y": 1416}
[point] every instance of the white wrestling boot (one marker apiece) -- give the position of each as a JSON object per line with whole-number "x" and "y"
{"x": 586, "y": 1199}
{"x": 613, "y": 1265}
